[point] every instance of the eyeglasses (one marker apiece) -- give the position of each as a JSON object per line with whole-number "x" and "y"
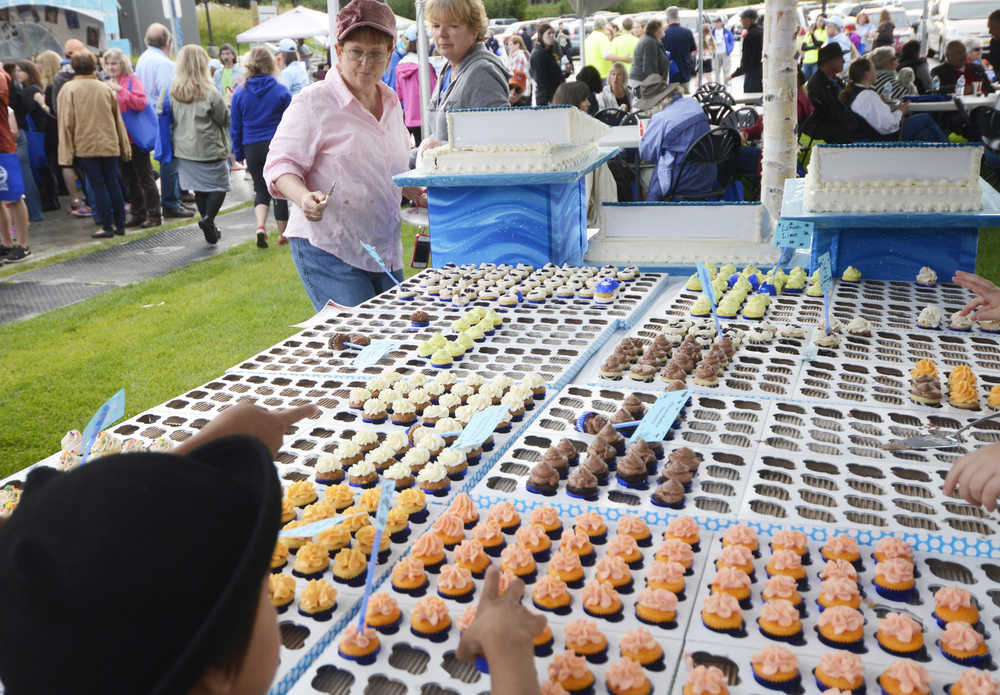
{"x": 374, "y": 57}
{"x": 516, "y": 90}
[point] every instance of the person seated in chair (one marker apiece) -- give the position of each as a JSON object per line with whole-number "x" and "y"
{"x": 874, "y": 119}
{"x": 671, "y": 131}
{"x": 955, "y": 65}
{"x": 831, "y": 117}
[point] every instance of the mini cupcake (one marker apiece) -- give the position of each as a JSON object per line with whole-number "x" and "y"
{"x": 416, "y": 458}
{"x": 842, "y": 671}
{"x": 582, "y": 484}
{"x": 450, "y": 529}
{"x": 894, "y": 579}
{"x": 668, "y": 576}
{"x": 584, "y": 637}
{"x": 675, "y": 550}
{"x": 349, "y": 567}
{"x": 362, "y": 475}
{"x": 721, "y": 613}
{"x": 551, "y": 594}
{"x": 281, "y": 591}
{"x": 535, "y": 540}
{"x": 706, "y": 680}
{"x": 329, "y": 470}
{"x": 839, "y": 569}
{"x": 627, "y": 677}
{"x": 292, "y": 542}
{"x": 301, "y": 493}
{"x": 962, "y": 644}
{"x": 627, "y": 548}
{"x": 640, "y": 646}
{"x": 593, "y": 525}
{"x": 905, "y": 677}
{"x": 565, "y": 565}
{"x": 401, "y": 474}
{"x": 841, "y": 547}
{"x": 685, "y": 529}
{"x": 735, "y": 582}
{"x": 613, "y": 570}
{"x": 489, "y": 535}
{"x": 600, "y": 600}
{"x": 409, "y": 577}
{"x": 900, "y": 635}
{"x": 455, "y": 583}
{"x": 470, "y": 555}
{"x": 433, "y": 479}
{"x": 279, "y": 556}
{"x": 543, "y": 479}
{"x": 788, "y": 539}
{"x": 429, "y": 551}
{"x": 383, "y": 613}
{"x": 547, "y": 518}
{"x": 975, "y": 682}
{"x": 429, "y": 619}
{"x": 776, "y": 668}
{"x": 334, "y": 539}
{"x": 786, "y": 562}
{"x": 318, "y": 600}
{"x": 414, "y": 503}
{"x": 578, "y": 543}
{"x": 374, "y": 411}
{"x": 365, "y": 541}
{"x": 741, "y": 534}
{"x": 398, "y": 443}
{"x": 740, "y": 557}
{"x": 519, "y": 561}
{"x": 892, "y": 548}
{"x": 841, "y": 627}
{"x": 465, "y": 509}
{"x": 657, "y": 607}
{"x": 779, "y": 620}
{"x": 954, "y": 605}
{"x": 311, "y": 561}
{"x": 838, "y": 592}
{"x": 506, "y": 517}
{"x": 434, "y": 444}
{"x": 570, "y": 671}
{"x": 636, "y": 528}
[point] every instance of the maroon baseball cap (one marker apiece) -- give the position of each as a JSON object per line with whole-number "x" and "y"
{"x": 366, "y": 13}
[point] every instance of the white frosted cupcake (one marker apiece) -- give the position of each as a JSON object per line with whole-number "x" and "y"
{"x": 454, "y": 462}
{"x": 366, "y": 440}
{"x": 416, "y": 458}
{"x": 930, "y": 317}
{"x": 362, "y": 474}
{"x": 927, "y": 277}
{"x": 380, "y": 458}
{"x": 960, "y": 322}
{"x": 329, "y": 469}
{"x": 433, "y": 480}
{"x": 401, "y": 474}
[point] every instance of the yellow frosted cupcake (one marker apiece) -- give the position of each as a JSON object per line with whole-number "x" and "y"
{"x": 318, "y": 600}
{"x": 349, "y": 567}
{"x": 281, "y": 590}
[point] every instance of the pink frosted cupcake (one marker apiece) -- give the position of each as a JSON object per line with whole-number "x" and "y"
{"x": 738, "y": 556}
{"x": 684, "y": 528}
{"x": 961, "y": 643}
{"x": 584, "y": 637}
{"x": 464, "y": 508}
{"x": 892, "y": 548}
{"x": 627, "y": 549}
{"x": 675, "y": 550}
{"x": 975, "y": 682}
{"x": 842, "y": 547}
{"x": 548, "y": 519}
{"x": 668, "y": 576}
{"x": 657, "y": 607}
{"x": 636, "y": 528}
{"x": 839, "y": 569}
{"x": 841, "y": 671}
{"x": 706, "y": 680}
{"x": 788, "y": 539}
{"x": 838, "y": 592}
{"x": 741, "y": 534}
{"x": 626, "y": 677}
{"x": 780, "y": 587}
{"x": 640, "y": 646}
{"x": 776, "y": 668}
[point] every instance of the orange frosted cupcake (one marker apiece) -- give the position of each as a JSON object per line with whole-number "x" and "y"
{"x": 900, "y": 635}
{"x": 657, "y": 607}
{"x": 706, "y": 680}
{"x": 301, "y": 493}
{"x": 349, "y": 567}
{"x": 429, "y": 551}
{"x": 841, "y": 547}
{"x": 383, "y": 613}
{"x": 600, "y": 600}
{"x": 571, "y": 672}
{"x": 464, "y": 508}
{"x": 577, "y": 541}
{"x": 783, "y": 588}
{"x": 287, "y": 510}
{"x": 455, "y": 583}
{"x": 636, "y": 528}
{"x": 517, "y": 560}
{"x": 489, "y": 535}
{"x": 318, "y": 600}
{"x": 786, "y": 562}
{"x": 340, "y": 496}
{"x": 838, "y": 592}
{"x": 365, "y": 541}
{"x": 506, "y": 517}
{"x": 535, "y": 541}
{"x": 627, "y": 548}
{"x": 450, "y": 529}
{"x": 585, "y": 639}
{"x": 841, "y": 627}
{"x": 741, "y": 534}
{"x": 613, "y": 570}
{"x": 675, "y": 550}
{"x": 894, "y": 579}
{"x": 334, "y": 539}
{"x": 470, "y": 555}
{"x": 551, "y": 594}
{"x": 668, "y": 576}
{"x": 953, "y": 605}
{"x": 311, "y": 561}
{"x": 279, "y": 556}
{"x": 640, "y": 646}
{"x": 738, "y": 556}
{"x": 893, "y": 548}
{"x": 721, "y": 613}
{"x": 735, "y": 582}
{"x": 548, "y": 518}
{"x": 776, "y": 668}
{"x": 789, "y": 539}
{"x": 840, "y": 670}
{"x": 409, "y": 577}
{"x": 961, "y": 643}
{"x": 975, "y": 682}
{"x": 686, "y": 529}
{"x": 905, "y": 677}
{"x": 281, "y": 590}
{"x": 361, "y": 647}
{"x": 292, "y": 542}
{"x": 593, "y": 525}
{"x": 429, "y": 618}
{"x": 627, "y": 677}
{"x": 779, "y": 620}
{"x": 839, "y": 569}
{"x": 566, "y": 565}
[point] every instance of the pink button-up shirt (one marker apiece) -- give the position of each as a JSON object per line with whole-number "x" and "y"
{"x": 330, "y": 141}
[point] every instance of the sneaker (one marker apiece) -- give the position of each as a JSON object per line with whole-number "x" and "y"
{"x": 177, "y": 213}
{"x": 151, "y": 222}
{"x": 261, "y": 238}
{"x": 208, "y": 230}
{"x": 18, "y": 253}
{"x": 82, "y": 211}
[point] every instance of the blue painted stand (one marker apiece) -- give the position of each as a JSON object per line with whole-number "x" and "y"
{"x": 533, "y": 218}
{"x": 895, "y": 246}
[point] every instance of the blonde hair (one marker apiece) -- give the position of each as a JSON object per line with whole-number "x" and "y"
{"x": 123, "y": 60}
{"x": 191, "y": 79}
{"x": 261, "y": 62}
{"x": 618, "y": 67}
{"x": 48, "y": 66}
{"x": 468, "y": 12}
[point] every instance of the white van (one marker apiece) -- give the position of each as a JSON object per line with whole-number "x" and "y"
{"x": 958, "y": 19}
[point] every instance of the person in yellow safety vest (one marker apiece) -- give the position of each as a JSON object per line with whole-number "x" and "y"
{"x": 810, "y": 45}
{"x": 597, "y": 49}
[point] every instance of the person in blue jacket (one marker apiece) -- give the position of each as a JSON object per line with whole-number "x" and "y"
{"x": 724, "y": 42}
{"x": 398, "y": 53}
{"x": 254, "y": 116}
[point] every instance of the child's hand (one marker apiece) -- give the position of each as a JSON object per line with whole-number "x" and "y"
{"x": 977, "y": 477}
{"x": 502, "y": 623}
{"x": 267, "y": 425}
{"x": 986, "y": 305}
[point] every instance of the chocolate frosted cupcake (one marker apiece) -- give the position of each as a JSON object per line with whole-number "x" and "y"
{"x": 673, "y": 372}
{"x": 602, "y": 450}
{"x": 566, "y": 446}
{"x": 686, "y": 456}
{"x": 597, "y": 467}
{"x": 338, "y": 340}
{"x": 558, "y": 461}
{"x": 582, "y": 483}
{"x": 590, "y": 423}
{"x": 633, "y": 406}
{"x": 679, "y": 472}
{"x": 642, "y": 372}
{"x": 675, "y": 386}
{"x": 645, "y": 452}
{"x": 609, "y": 435}
{"x": 669, "y": 494}
{"x": 631, "y": 471}
{"x": 543, "y": 479}
{"x": 420, "y": 319}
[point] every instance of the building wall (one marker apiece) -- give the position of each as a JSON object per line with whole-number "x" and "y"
{"x": 135, "y": 15}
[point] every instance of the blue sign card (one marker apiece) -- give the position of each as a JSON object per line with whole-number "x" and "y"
{"x": 378, "y": 259}
{"x": 480, "y": 427}
{"x": 826, "y": 282}
{"x": 315, "y": 528}
{"x": 793, "y": 234}
{"x": 111, "y": 410}
{"x": 661, "y": 416}
{"x": 387, "y": 488}
{"x": 372, "y": 353}
{"x": 706, "y": 287}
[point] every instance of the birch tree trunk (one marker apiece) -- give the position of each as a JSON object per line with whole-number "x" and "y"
{"x": 780, "y": 113}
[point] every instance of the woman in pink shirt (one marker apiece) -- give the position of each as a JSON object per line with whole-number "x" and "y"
{"x": 334, "y": 154}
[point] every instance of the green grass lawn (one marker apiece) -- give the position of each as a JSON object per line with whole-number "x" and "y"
{"x": 156, "y": 339}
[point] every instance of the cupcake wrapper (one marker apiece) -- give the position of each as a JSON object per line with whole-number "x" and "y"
{"x": 487, "y": 445}
{"x": 364, "y": 486}
{"x": 331, "y": 481}
{"x": 389, "y": 628}
{"x": 600, "y": 657}
{"x": 634, "y": 484}
{"x": 554, "y": 534}
{"x": 440, "y": 366}
{"x": 416, "y": 592}
{"x": 790, "y": 290}
{"x": 959, "y": 330}
{"x": 583, "y": 419}
{"x": 320, "y": 615}
{"x": 589, "y": 559}
{"x": 665, "y": 624}
{"x": 419, "y": 517}
{"x": 283, "y": 609}
{"x": 635, "y": 564}
{"x": 443, "y": 492}
{"x": 981, "y": 661}
{"x": 353, "y": 581}
{"x": 510, "y": 530}
{"x": 860, "y": 690}
{"x": 797, "y": 639}
{"x": 365, "y": 660}
{"x": 440, "y": 636}
{"x": 420, "y": 324}
{"x": 547, "y": 490}
{"x": 900, "y": 595}
{"x": 434, "y": 567}
{"x": 615, "y": 617}
{"x": 460, "y": 598}
{"x": 917, "y": 655}
{"x": 583, "y": 494}
{"x": 457, "y": 476}
{"x": 856, "y": 647}
{"x": 732, "y": 632}
{"x": 542, "y": 555}
{"x": 576, "y": 583}
{"x": 277, "y": 570}
{"x": 309, "y": 575}
{"x": 558, "y": 610}
{"x": 373, "y": 420}
{"x": 783, "y": 686}
{"x": 626, "y": 588}
{"x": 674, "y": 505}
{"x": 528, "y": 578}
{"x": 495, "y": 550}
{"x": 544, "y": 649}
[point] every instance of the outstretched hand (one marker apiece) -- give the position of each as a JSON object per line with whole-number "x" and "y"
{"x": 986, "y": 305}
{"x": 977, "y": 477}
{"x": 268, "y": 426}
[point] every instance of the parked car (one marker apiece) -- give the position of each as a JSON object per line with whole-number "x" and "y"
{"x": 958, "y": 19}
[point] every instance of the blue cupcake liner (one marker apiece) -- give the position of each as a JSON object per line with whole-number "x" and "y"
{"x": 416, "y": 592}
{"x": 419, "y": 517}
{"x": 783, "y": 686}
{"x": 542, "y": 555}
{"x": 732, "y": 632}
{"x": 389, "y": 628}
{"x": 860, "y": 690}
{"x": 437, "y": 637}
{"x": 355, "y": 582}
{"x": 658, "y": 503}
{"x": 545, "y": 648}
{"x": 598, "y": 657}
{"x": 558, "y": 610}
{"x": 364, "y": 486}
{"x": 435, "y": 567}
{"x": 442, "y": 492}
{"x": 373, "y": 420}
{"x": 309, "y": 575}
{"x": 798, "y": 639}
{"x": 582, "y": 419}
{"x": 981, "y": 661}
{"x": 482, "y": 666}
{"x": 365, "y": 660}
{"x": 546, "y": 491}
{"x": 632, "y": 485}
{"x": 495, "y": 550}
{"x": 899, "y": 595}
{"x": 283, "y": 609}
{"x": 664, "y": 624}
{"x": 615, "y": 617}
{"x": 459, "y": 598}
{"x": 857, "y": 647}
{"x": 916, "y": 655}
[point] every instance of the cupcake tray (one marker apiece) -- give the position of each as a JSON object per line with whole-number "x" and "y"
{"x": 798, "y": 309}
{"x": 405, "y": 655}
{"x": 933, "y": 572}
{"x": 723, "y": 429}
{"x": 902, "y": 349}
{"x": 897, "y": 304}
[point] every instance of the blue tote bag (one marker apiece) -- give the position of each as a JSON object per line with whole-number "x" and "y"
{"x": 36, "y": 145}
{"x": 142, "y": 125}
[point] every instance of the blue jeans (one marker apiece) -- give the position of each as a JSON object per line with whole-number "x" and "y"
{"x": 32, "y": 197}
{"x": 921, "y": 127}
{"x": 809, "y": 69}
{"x": 170, "y": 185}
{"x": 327, "y": 277}
{"x": 101, "y": 175}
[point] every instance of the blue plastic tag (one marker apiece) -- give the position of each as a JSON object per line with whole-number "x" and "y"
{"x": 111, "y": 410}
{"x": 661, "y": 416}
{"x": 826, "y": 283}
{"x": 381, "y": 514}
{"x": 386, "y": 489}
{"x": 315, "y": 528}
{"x": 372, "y": 353}
{"x": 809, "y": 353}
{"x": 793, "y": 234}
{"x": 378, "y": 259}
{"x": 480, "y": 427}
{"x": 706, "y": 287}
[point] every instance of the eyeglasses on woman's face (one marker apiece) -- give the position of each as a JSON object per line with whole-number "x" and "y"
{"x": 374, "y": 57}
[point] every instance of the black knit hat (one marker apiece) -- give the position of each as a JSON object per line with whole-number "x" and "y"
{"x": 126, "y": 575}
{"x": 830, "y": 51}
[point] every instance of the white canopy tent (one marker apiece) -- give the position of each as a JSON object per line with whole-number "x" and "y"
{"x": 299, "y": 23}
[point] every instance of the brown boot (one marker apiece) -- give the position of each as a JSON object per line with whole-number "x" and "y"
{"x": 136, "y": 221}
{"x": 152, "y": 222}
